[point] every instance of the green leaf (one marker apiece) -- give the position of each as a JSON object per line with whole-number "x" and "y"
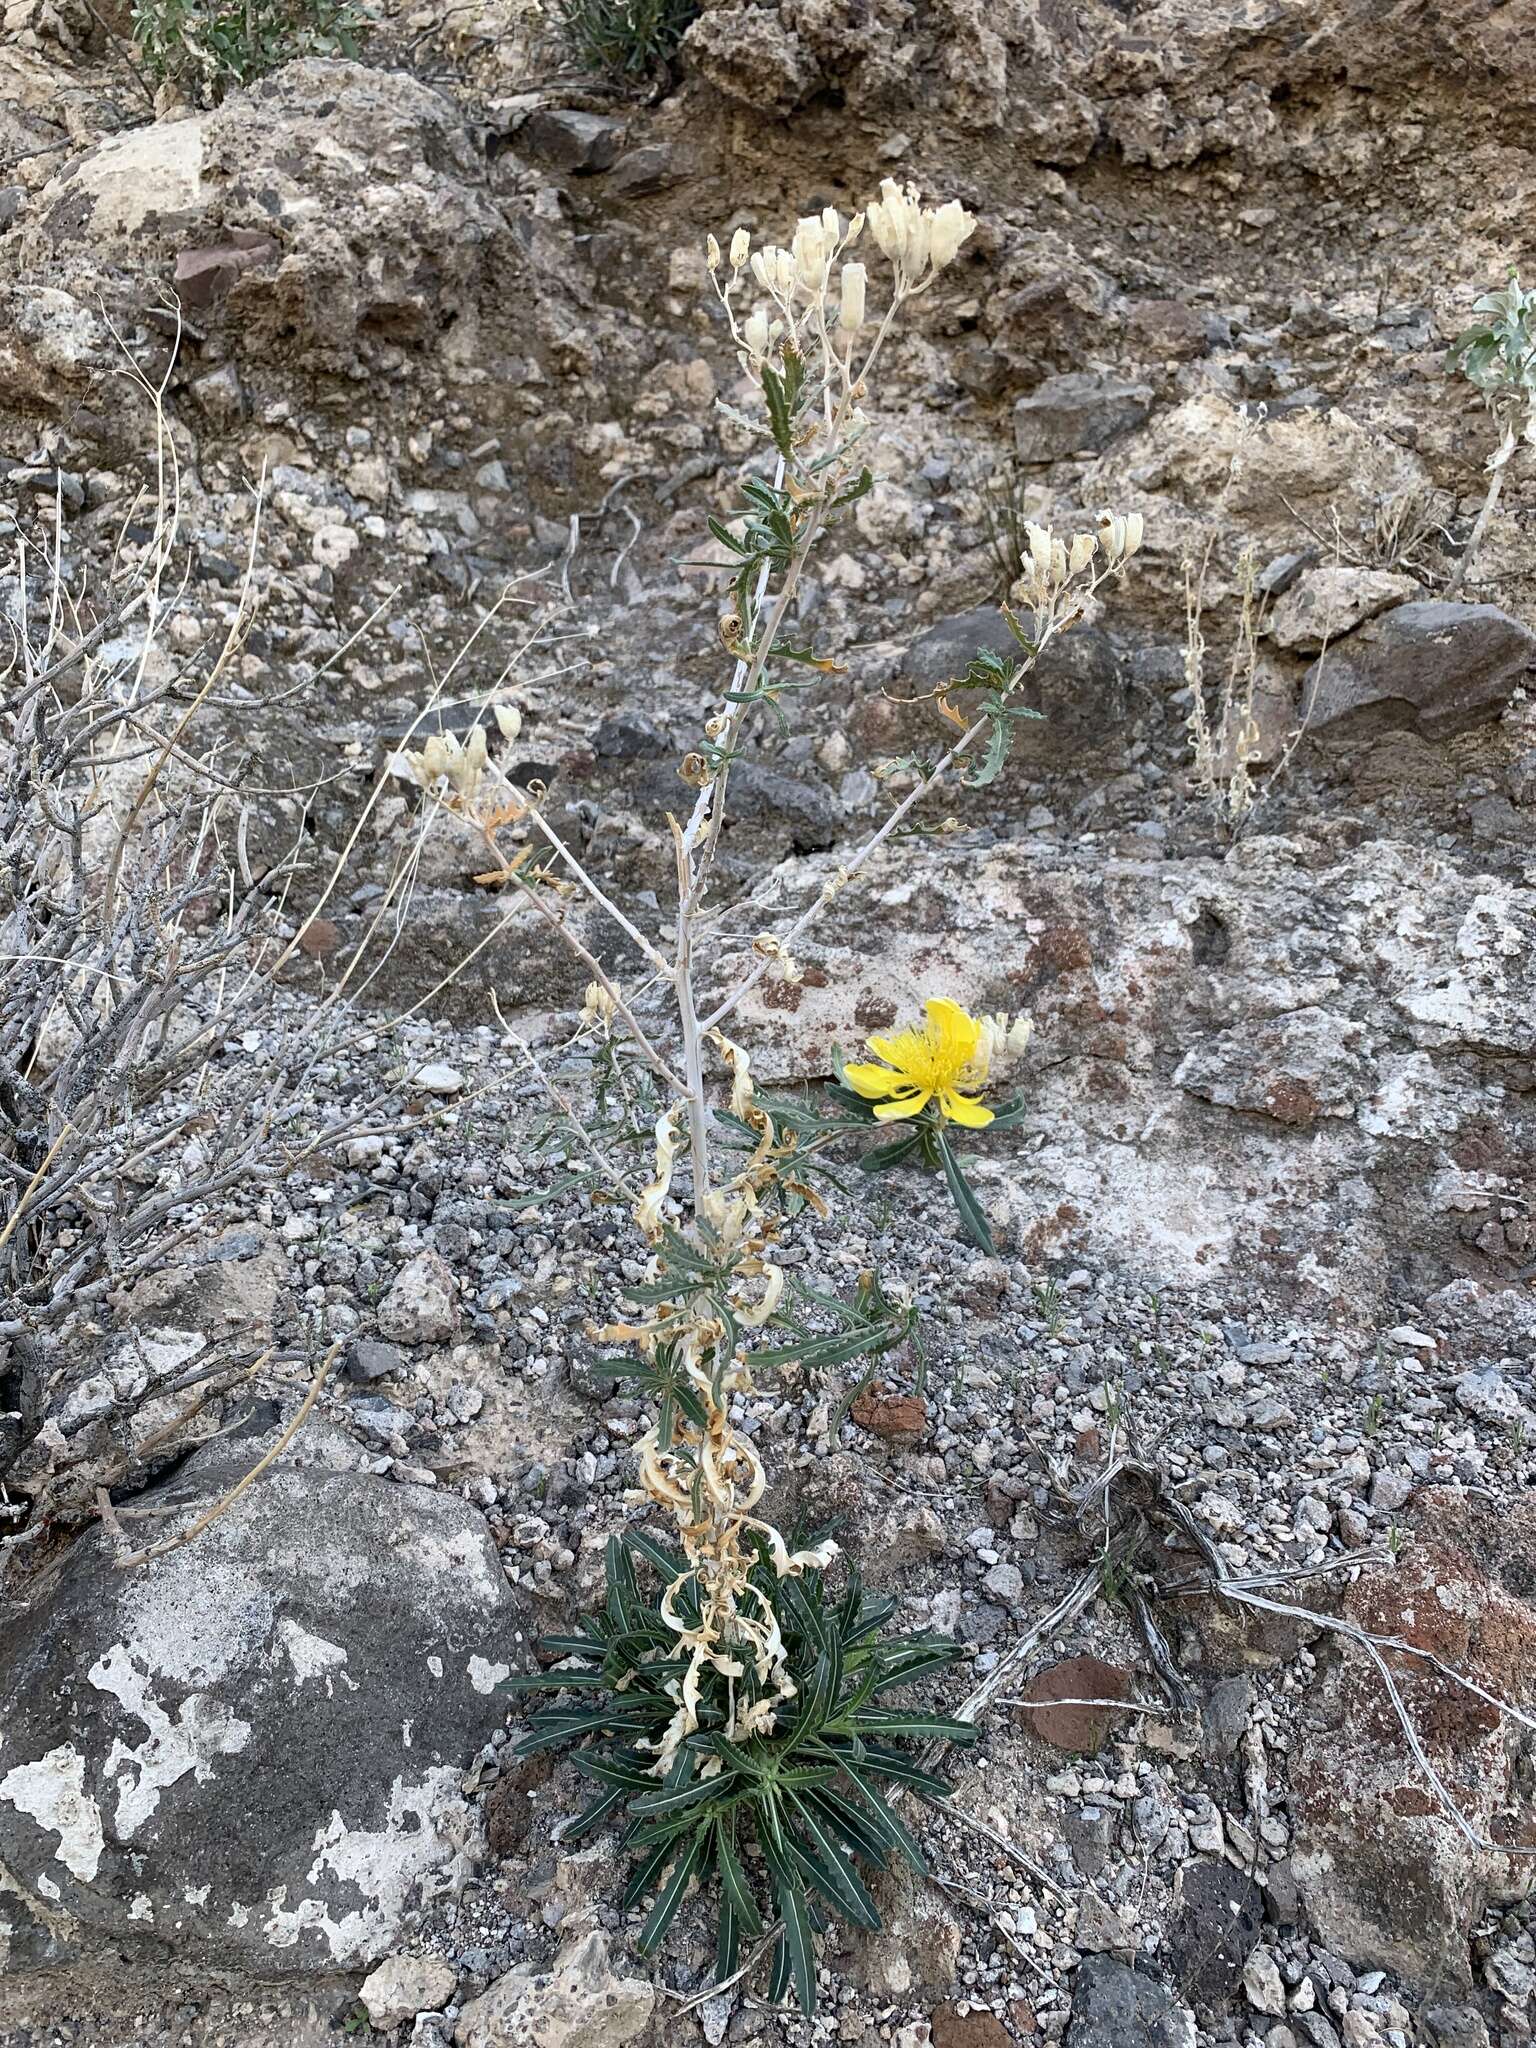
{"x": 778, "y": 1972}
{"x": 646, "y": 1871}
{"x": 550, "y": 1681}
{"x": 733, "y": 1879}
{"x": 877, "y": 1721}
{"x": 780, "y": 422}
{"x": 570, "y": 1646}
{"x": 676, "y": 1799}
{"x": 903, "y": 1770}
{"x": 789, "y": 1889}
{"x": 666, "y": 1562}
{"x": 609, "y": 1769}
{"x": 886, "y": 1821}
{"x": 972, "y": 1215}
{"x": 727, "y": 1940}
{"x": 853, "y": 1827}
{"x": 1015, "y": 1111}
{"x": 671, "y": 1895}
{"x": 848, "y": 1892}
{"x": 597, "y": 1811}
{"x": 990, "y": 765}
{"x": 881, "y": 1158}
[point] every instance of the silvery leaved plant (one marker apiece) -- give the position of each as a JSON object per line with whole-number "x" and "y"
{"x": 727, "y": 1699}
{"x": 1497, "y": 355}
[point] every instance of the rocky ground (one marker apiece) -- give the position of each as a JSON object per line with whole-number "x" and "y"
{"x": 1268, "y": 1224}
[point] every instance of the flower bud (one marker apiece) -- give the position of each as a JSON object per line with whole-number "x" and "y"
{"x": 1039, "y": 550}
{"x": 948, "y": 228}
{"x": 810, "y": 251}
{"x": 755, "y": 333}
{"x": 741, "y": 248}
{"x": 712, "y": 253}
{"x": 1083, "y": 545}
{"x": 850, "y": 312}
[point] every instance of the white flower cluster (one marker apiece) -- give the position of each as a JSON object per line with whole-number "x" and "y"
{"x": 1002, "y": 1040}
{"x": 1050, "y": 564}
{"x": 444, "y": 761}
{"x": 918, "y": 240}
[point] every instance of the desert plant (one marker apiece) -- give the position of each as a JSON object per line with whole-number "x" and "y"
{"x": 1224, "y": 736}
{"x": 626, "y": 39}
{"x": 741, "y": 1635}
{"x": 148, "y": 1062}
{"x": 1497, "y": 356}
{"x": 773, "y": 1789}
{"x": 208, "y": 47}
{"x": 1002, "y": 504}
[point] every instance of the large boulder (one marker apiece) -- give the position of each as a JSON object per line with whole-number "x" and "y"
{"x": 1078, "y": 410}
{"x": 1441, "y": 667}
{"x": 248, "y": 1752}
{"x": 1327, "y": 602}
{"x": 335, "y": 213}
{"x": 1258, "y": 1063}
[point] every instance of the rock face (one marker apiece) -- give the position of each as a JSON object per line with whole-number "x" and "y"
{"x": 1274, "y": 1061}
{"x": 353, "y": 247}
{"x": 1441, "y": 667}
{"x": 582, "y": 2002}
{"x": 1386, "y": 1875}
{"x": 1076, "y": 411}
{"x": 1326, "y": 603}
{"x": 248, "y": 1753}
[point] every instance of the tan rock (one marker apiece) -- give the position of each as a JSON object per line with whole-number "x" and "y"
{"x": 579, "y": 2003}
{"x": 1332, "y": 600}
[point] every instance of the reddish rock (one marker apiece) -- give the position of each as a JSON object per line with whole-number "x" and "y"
{"x": 1385, "y": 1872}
{"x": 955, "y": 2029}
{"x": 899, "y": 1418}
{"x": 1081, "y": 1731}
{"x": 320, "y": 937}
{"x": 509, "y": 1809}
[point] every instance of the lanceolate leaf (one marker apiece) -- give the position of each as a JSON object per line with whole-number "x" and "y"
{"x": 972, "y": 1215}
{"x": 733, "y": 1878}
{"x": 672, "y": 1893}
{"x": 789, "y": 1889}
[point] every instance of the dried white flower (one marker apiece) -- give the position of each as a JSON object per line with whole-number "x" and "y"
{"x": 756, "y": 334}
{"x": 850, "y": 312}
{"x": 712, "y": 253}
{"x": 948, "y": 228}
{"x": 919, "y": 241}
{"x": 810, "y": 252}
{"x": 741, "y": 248}
{"x": 509, "y": 720}
{"x": 443, "y": 759}
{"x": 1120, "y": 534}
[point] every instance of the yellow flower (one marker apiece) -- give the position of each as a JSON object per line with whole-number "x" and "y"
{"x": 952, "y": 1052}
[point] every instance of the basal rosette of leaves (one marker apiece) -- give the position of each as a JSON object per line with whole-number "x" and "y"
{"x": 786, "y": 1826}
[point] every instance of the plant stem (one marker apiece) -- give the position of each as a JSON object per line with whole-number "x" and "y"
{"x": 1459, "y": 574}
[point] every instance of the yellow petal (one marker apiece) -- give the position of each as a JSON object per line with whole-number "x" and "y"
{"x": 906, "y": 1105}
{"x": 961, "y": 1109}
{"x": 870, "y": 1081}
{"x": 957, "y": 1032}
